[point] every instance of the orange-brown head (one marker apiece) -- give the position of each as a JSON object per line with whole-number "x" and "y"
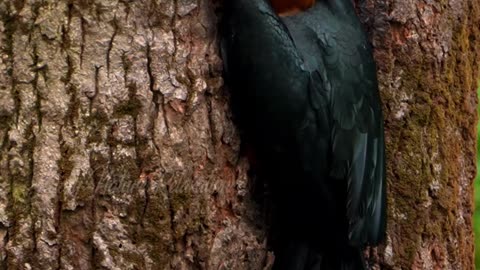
{"x": 289, "y": 7}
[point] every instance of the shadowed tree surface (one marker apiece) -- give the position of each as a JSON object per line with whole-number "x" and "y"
{"x": 118, "y": 151}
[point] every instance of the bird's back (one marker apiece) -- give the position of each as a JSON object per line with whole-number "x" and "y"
{"x": 304, "y": 88}
{"x": 334, "y": 47}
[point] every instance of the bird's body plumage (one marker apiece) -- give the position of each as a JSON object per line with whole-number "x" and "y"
{"x": 305, "y": 92}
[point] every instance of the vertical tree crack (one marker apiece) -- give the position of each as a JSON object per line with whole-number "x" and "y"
{"x": 174, "y": 29}
{"x": 9, "y": 22}
{"x": 159, "y": 104}
{"x": 40, "y": 70}
{"x": 93, "y": 211}
{"x": 30, "y": 183}
{"x": 110, "y": 43}
{"x": 171, "y": 210}
{"x": 83, "y": 35}
{"x": 96, "y": 88}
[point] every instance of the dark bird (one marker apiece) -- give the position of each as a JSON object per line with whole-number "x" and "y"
{"x": 305, "y": 95}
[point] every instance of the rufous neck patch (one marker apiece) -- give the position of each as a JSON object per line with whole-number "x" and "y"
{"x": 291, "y": 7}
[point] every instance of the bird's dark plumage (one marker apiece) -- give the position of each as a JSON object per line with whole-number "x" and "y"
{"x": 305, "y": 93}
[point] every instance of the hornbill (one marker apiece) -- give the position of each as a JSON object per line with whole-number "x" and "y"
{"x": 305, "y": 95}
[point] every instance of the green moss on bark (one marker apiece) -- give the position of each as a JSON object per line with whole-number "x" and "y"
{"x": 425, "y": 201}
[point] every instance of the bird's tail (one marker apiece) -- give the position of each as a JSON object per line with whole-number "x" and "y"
{"x": 301, "y": 255}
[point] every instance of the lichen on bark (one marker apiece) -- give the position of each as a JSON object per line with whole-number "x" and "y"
{"x": 428, "y": 61}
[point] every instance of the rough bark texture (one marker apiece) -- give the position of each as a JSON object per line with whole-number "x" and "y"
{"x": 117, "y": 148}
{"x": 428, "y": 61}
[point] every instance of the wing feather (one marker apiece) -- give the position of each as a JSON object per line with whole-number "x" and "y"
{"x": 357, "y": 133}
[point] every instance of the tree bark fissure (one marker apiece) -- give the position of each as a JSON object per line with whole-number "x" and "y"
{"x": 118, "y": 149}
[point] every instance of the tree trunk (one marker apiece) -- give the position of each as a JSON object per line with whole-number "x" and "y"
{"x": 428, "y": 61}
{"x": 118, "y": 149}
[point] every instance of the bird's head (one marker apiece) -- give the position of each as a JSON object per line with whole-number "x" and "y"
{"x": 291, "y": 7}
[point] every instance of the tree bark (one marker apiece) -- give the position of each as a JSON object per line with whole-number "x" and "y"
{"x": 118, "y": 150}
{"x": 428, "y": 60}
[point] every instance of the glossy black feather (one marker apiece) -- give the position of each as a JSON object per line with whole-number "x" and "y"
{"x": 305, "y": 92}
